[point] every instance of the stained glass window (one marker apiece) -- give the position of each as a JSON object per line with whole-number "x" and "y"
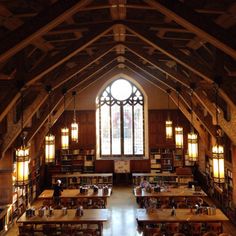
{"x": 121, "y": 120}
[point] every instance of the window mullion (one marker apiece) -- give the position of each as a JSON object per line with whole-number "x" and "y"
{"x": 110, "y": 129}
{"x": 122, "y": 128}
{"x": 133, "y": 127}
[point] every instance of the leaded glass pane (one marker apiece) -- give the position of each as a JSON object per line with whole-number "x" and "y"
{"x": 138, "y": 130}
{"x": 128, "y": 130}
{"x": 115, "y": 130}
{"x": 105, "y": 130}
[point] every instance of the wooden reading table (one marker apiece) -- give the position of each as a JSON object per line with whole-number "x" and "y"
{"x": 145, "y": 218}
{"x": 75, "y": 194}
{"x": 90, "y": 217}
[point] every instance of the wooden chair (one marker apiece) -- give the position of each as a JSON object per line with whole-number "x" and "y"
{"x": 179, "y": 234}
{"x": 196, "y": 229}
{"x": 215, "y": 227}
{"x": 225, "y": 234}
{"x": 153, "y": 231}
{"x": 210, "y": 233}
{"x": 26, "y": 230}
{"x": 172, "y": 228}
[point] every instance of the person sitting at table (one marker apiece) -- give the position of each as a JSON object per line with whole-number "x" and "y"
{"x": 145, "y": 183}
{"x": 57, "y": 192}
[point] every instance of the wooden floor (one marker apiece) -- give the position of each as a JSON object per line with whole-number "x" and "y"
{"x": 122, "y": 206}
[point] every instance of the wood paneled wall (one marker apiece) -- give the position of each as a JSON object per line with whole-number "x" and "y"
{"x": 156, "y": 126}
{"x": 87, "y": 129}
{"x": 87, "y": 134}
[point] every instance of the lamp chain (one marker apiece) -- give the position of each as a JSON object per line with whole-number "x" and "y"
{"x": 74, "y": 118}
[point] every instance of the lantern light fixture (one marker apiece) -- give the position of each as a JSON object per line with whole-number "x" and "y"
{"x": 192, "y": 136}
{"x": 50, "y": 138}
{"x": 168, "y": 123}
{"x": 64, "y": 130}
{"x": 74, "y": 124}
{"x": 218, "y": 149}
{"x": 22, "y": 155}
{"x": 178, "y": 130}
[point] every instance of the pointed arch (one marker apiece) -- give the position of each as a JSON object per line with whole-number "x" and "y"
{"x": 121, "y": 119}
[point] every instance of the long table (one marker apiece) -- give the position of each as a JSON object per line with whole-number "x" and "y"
{"x": 182, "y": 191}
{"x": 90, "y": 216}
{"x": 145, "y": 218}
{"x": 75, "y": 194}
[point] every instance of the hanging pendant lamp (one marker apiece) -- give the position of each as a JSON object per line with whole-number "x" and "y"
{"x": 64, "y": 130}
{"x": 218, "y": 151}
{"x": 50, "y": 138}
{"x": 22, "y": 155}
{"x": 192, "y": 138}
{"x": 179, "y": 140}
{"x": 168, "y": 123}
{"x": 74, "y": 125}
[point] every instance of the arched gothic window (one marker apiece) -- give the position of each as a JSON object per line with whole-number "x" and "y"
{"x": 121, "y": 120}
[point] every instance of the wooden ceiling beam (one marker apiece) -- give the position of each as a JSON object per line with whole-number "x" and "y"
{"x": 196, "y": 23}
{"x": 12, "y": 23}
{"x": 159, "y": 65}
{"x": 13, "y": 130}
{"x": 48, "y": 65}
{"x": 39, "y": 25}
{"x": 133, "y": 62}
{"x": 84, "y": 79}
{"x": 144, "y": 72}
{"x": 67, "y": 75}
{"x": 189, "y": 62}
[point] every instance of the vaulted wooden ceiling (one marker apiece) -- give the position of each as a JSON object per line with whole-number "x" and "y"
{"x": 185, "y": 45}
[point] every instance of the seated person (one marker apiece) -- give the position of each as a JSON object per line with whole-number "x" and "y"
{"x": 57, "y": 192}
{"x": 145, "y": 183}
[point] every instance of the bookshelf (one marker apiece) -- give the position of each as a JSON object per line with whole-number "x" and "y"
{"x": 74, "y": 160}
{"x": 167, "y": 178}
{"x": 77, "y": 179}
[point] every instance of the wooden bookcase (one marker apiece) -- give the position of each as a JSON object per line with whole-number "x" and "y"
{"x": 77, "y": 179}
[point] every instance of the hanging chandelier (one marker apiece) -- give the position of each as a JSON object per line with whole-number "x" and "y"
{"x": 22, "y": 155}
{"x": 169, "y": 128}
{"x": 50, "y": 138}
{"x": 178, "y": 131}
{"x": 192, "y": 138}
{"x": 64, "y": 130}
{"x": 74, "y": 125}
{"x": 218, "y": 151}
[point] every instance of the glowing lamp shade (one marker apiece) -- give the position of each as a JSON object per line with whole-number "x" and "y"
{"x": 22, "y": 165}
{"x": 179, "y": 137}
{"x": 49, "y": 148}
{"x": 65, "y": 138}
{"x": 74, "y": 132}
{"x": 218, "y": 163}
{"x": 169, "y": 129}
{"x": 192, "y": 146}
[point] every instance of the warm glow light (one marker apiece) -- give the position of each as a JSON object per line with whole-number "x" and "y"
{"x": 192, "y": 146}
{"x": 22, "y": 169}
{"x": 65, "y": 138}
{"x": 218, "y": 163}
{"x": 49, "y": 148}
{"x": 179, "y": 137}
{"x": 169, "y": 130}
{"x": 74, "y": 132}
